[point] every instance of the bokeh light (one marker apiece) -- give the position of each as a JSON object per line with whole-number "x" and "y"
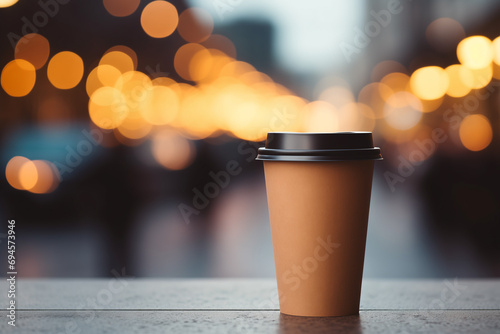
{"x": 65, "y": 70}
{"x": 128, "y": 51}
{"x": 12, "y": 171}
{"x": 356, "y": 117}
{"x": 195, "y": 25}
{"x": 475, "y": 132}
{"x": 375, "y": 95}
{"x": 121, "y": 8}
{"x": 159, "y": 19}
{"x": 405, "y": 111}
{"x": 7, "y": 3}
{"x": 384, "y": 68}
{"x": 18, "y": 77}
{"x": 475, "y": 52}
{"x": 322, "y": 117}
{"x": 28, "y": 175}
{"x": 107, "y": 107}
{"x": 481, "y": 77}
{"x": 171, "y": 150}
{"x": 429, "y": 83}
{"x": 108, "y": 75}
{"x": 34, "y": 48}
{"x": 162, "y": 106}
{"x": 496, "y": 50}
{"x": 47, "y": 177}
{"x": 221, "y": 43}
{"x": 118, "y": 59}
{"x": 337, "y": 96}
{"x": 460, "y": 80}
{"x": 136, "y": 89}
{"x": 183, "y": 58}
{"x": 134, "y": 128}
{"x": 444, "y": 33}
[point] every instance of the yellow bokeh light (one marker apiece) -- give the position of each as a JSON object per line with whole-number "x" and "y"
{"x": 28, "y": 175}
{"x": 475, "y": 52}
{"x": 481, "y": 77}
{"x": 159, "y": 19}
{"x": 121, "y": 8}
{"x": 475, "y": 132}
{"x": 396, "y": 81}
{"x": 162, "y": 106}
{"x": 429, "y": 83}
{"x": 107, "y": 107}
{"x": 322, "y": 117}
{"x": 200, "y": 65}
{"x": 405, "y": 111}
{"x": 128, "y": 51}
{"x": 34, "y": 48}
{"x": 65, "y": 70}
{"x": 337, "y": 96}
{"x": 136, "y": 88}
{"x": 7, "y": 3}
{"x": 195, "y": 25}
{"x": 356, "y": 117}
{"x": 171, "y": 150}
{"x": 93, "y": 83}
{"x": 118, "y": 59}
{"x": 18, "y": 77}
{"x": 461, "y": 80}
{"x": 12, "y": 171}
{"x": 496, "y": 50}
{"x": 135, "y": 128}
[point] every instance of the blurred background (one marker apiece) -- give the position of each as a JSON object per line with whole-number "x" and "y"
{"x": 129, "y": 130}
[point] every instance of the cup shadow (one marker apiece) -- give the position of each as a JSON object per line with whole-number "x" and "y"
{"x": 289, "y": 324}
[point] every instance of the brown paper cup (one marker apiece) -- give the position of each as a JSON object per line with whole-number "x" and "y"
{"x": 319, "y": 214}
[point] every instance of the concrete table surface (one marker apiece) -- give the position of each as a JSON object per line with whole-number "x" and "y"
{"x": 119, "y": 305}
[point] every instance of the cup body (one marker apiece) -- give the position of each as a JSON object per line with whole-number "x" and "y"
{"x": 319, "y": 214}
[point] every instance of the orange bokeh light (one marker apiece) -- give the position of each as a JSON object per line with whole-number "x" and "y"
{"x": 34, "y": 48}
{"x": 12, "y": 171}
{"x": 475, "y": 132}
{"x": 118, "y": 59}
{"x": 18, "y": 77}
{"x": 183, "y": 58}
{"x": 195, "y": 25}
{"x": 172, "y": 150}
{"x": 65, "y": 70}
{"x": 121, "y": 8}
{"x": 159, "y": 19}
{"x": 429, "y": 82}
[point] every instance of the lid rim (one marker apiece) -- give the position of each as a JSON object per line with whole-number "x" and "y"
{"x": 321, "y": 146}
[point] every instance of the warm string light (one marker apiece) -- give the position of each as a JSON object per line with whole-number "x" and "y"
{"x": 231, "y": 96}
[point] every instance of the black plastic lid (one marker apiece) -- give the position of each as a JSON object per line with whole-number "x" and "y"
{"x": 335, "y": 146}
